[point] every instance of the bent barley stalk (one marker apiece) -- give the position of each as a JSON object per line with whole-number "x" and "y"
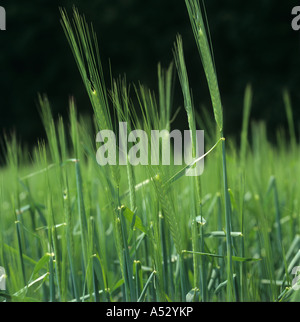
{"x": 201, "y": 38}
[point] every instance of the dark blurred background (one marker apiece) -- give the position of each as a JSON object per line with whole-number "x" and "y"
{"x": 253, "y": 43}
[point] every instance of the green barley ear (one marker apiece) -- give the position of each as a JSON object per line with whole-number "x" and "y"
{"x": 165, "y": 82}
{"x": 83, "y": 42}
{"x": 84, "y": 45}
{"x": 74, "y": 128}
{"x": 290, "y": 118}
{"x": 247, "y": 108}
{"x": 49, "y": 125}
{"x": 206, "y": 55}
{"x": 184, "y": 82}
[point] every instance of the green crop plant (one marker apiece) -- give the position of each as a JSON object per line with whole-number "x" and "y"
{"x": 72, "y": 230}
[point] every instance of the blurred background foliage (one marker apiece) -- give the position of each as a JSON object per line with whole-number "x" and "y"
{"x": 253, "y": 43}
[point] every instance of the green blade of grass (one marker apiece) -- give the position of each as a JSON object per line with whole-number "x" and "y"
{"x": 183, "y": 171}
{"x": 234, "y": 258}
{"x": 290, "y": 118}
{"x": 146, "y": 286}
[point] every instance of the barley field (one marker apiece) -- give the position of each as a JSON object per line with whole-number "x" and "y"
{"x": 72, "y": 230}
